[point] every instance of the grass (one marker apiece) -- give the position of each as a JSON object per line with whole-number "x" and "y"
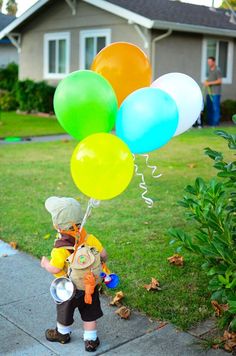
{"x": 135, "y": 237}
{"x": 19, "y": 125}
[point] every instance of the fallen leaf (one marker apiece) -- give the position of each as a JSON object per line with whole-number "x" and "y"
{"x": 116, "y": 300}
{"x": 192, "y": 165}
{"x": 176, "y": 260}
{"x": 154, "y": 285}
{"x": 230, "y": 344}
{"x": 47, "y": 236}
{"x": 123, "y": 312}
{"x": 13, "y": 244}
{"x": 162, "y": 325}
{"x": 219, "y": 308}
{"x": 216, "y": 346}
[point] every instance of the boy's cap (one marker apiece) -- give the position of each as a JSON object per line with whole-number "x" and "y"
{"x": 64, "y": 211}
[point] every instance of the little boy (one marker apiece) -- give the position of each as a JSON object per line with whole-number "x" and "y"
{"x": 66, "y": 213}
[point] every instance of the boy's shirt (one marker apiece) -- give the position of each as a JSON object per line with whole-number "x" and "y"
{"x": 59, "y": 255}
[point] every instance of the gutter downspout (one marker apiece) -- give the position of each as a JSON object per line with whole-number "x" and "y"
{"x": 156, "y": 39}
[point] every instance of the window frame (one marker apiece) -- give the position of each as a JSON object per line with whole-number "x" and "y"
{"x": 91, "y": 33}
{"x": 229, "y": 78}
{"x": 56, "y": 36}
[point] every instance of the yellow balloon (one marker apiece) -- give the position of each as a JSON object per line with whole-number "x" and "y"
{"x": 102, "y": 166}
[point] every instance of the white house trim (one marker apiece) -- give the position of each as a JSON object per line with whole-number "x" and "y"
{"x": 229, "y": 78}
{"x": 55, "y": 36}
{"x": 174, "y": 26}
{"x": 106, "y": 32}
{"x": 15, "y": 39}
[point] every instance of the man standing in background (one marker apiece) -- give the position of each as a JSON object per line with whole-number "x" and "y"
{"x": 213, "y": 84}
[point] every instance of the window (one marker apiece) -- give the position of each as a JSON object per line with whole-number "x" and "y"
{"x": 91, "y": 42}
{"x": 56, "y": 55}
{"x": 222, "y": 50}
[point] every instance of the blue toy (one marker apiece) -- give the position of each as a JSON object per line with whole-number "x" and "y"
{"x": 111, "y": 280}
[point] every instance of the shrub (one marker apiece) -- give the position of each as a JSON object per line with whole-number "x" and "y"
{"x": 212, "y": 205}
{"x": 35, "y": 96}
{"x": 9, "y": 76}
{"x": 7, "y": 101}
{"x": 228, "y": 109}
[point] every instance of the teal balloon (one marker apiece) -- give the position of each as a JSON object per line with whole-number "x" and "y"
{"x": 85, "y": 103}
{"x": 147, "y": 120}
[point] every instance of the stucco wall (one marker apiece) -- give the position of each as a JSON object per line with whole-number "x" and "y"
{"x": 182, "y": 52}
{"x": 59, "y": 18}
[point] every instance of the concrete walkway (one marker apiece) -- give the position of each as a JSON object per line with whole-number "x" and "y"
{"x": 27, "y": 309}
{"x": 45, "y": 138}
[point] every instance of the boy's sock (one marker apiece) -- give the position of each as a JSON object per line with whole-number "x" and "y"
{"x": 90, "y": 335}
{"x": 63, "y": 329}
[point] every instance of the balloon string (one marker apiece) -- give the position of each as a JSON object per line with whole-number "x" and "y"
{"x": 92, "y": 203}
{"x": 143, "y": 186}
{"x": 153, "y": 168}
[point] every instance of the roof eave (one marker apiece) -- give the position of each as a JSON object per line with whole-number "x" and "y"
{"x": 120, "y": 11}
{"x": 165, "y": 25}
{"x": 19, "y": 20}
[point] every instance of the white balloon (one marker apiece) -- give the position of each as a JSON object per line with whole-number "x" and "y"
{"x": 187, "y": 95}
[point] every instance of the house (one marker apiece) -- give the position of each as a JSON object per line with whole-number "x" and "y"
{"x": 8, "y": 52}
{"x": 56, "y": 37}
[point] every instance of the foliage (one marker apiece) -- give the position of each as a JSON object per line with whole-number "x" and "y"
{"x": 7, "y": 101}
{"x": 11, "y": 7}
{"x": 226, "y": 3}
{"x": 228, "y": 109}
{"x": 9, "y": 77}
{"x": 212, "y": 206}
{"x": 34, "y": 96}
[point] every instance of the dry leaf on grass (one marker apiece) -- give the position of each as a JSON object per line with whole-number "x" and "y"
{"x": 13, "y": 244}
{"x": 176, "y": 260}
{"x": 192, "y": 165}
{"x": 154, "y": 285}
{"x": 219, "y": 308}
{"x": 116, "y": 300}
{"x": 123, "y": 312}
{"x": 230, "y": 340}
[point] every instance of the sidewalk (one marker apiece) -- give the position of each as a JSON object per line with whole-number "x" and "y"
{"x": 27, "y": 309}
{"x": 46, "y": 138}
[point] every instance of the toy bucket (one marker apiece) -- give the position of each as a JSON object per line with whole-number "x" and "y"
{"x": 62, "y": 289}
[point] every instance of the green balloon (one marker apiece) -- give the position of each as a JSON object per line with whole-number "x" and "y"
{"x": 85, "y": 103}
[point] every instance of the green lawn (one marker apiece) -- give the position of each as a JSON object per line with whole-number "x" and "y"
{"x": 134, "y": 236}
{"x": 18, "y": 125}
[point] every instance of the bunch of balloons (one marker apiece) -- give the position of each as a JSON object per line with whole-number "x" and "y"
{"x": 118, "y": 92}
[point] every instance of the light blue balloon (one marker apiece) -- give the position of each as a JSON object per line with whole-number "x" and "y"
{"x": 147, "y": 119}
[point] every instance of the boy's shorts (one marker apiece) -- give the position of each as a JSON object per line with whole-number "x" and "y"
{"x": 88, "y": 312}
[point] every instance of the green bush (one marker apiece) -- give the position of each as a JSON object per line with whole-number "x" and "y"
{"x": 7, "y": 101}
{"x": 34, "y": 96}
{"x": 9, "y": 77}
{"x": 228, "y": 109}
{"x": 212, "y": 205}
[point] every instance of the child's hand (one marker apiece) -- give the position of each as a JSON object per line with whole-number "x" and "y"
{"x": 44, "y": 261}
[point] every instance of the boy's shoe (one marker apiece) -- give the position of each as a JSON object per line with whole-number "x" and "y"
{"x": 91, "y": 345}
{"x": 54, "y": 335}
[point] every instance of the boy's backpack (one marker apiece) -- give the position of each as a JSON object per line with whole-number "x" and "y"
{"x": 82, "y": 263}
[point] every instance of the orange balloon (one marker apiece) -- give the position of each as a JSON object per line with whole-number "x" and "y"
{"x": 125, "y": 66}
